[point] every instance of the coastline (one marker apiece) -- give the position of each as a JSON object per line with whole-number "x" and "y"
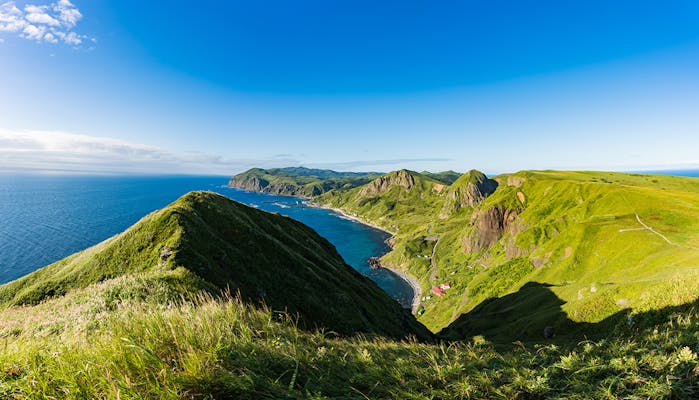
{"x": 351, "y": 217}
{"x": 417, "y": 289}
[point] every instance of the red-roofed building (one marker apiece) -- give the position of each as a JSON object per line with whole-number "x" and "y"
{"x": 445, "y": 286}
{"x": 436, "y": 290}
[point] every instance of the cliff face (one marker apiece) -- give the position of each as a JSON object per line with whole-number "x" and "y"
{"x": 489, "y": 227}
{"x": 299, "y": 181}
{"x": 257, "y": 184}
{"x": 253, "y": 184}
{"x": 402, "y": 178}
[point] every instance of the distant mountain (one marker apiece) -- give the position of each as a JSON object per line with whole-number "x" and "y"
{"x": 317, "y": 173}
{"x": 298, "y": 181}
{"x": 205, "y": 241}
{"x": 445, "y": 177}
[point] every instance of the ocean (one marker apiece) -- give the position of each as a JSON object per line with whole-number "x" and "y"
{"x": 46, "y": 218}
{"x": 692, "y": 173}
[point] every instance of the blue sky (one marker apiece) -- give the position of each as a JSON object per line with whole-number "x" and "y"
{"x": 217, "y": 87}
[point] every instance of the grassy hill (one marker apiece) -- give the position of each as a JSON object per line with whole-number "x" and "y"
{"x": 205, "y": 241}
{"x": 600, "y": 242}
{"x": 298, "y": 181}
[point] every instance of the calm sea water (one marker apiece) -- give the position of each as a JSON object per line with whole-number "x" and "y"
{"x": 46, "y": 218}
{"x": 693, "y": 173}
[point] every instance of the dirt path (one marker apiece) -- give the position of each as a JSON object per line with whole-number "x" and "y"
{"x": 653, "y": 230}
{"x": 632, "y": 229}
{"x": 646, "y": 227}
{"x": 433, "y": 264}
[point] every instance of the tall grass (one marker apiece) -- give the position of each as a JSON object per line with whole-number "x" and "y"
{"x": 224, "y": 348}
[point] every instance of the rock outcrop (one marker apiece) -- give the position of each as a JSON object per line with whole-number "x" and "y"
{"x": 402, "y": 178}
{"x": 253, "y": 184}
{"x": 374, "y": 262}
{"x": 489, "y": 226}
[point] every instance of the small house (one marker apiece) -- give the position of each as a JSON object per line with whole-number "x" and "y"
{"x": 438, "y": 291}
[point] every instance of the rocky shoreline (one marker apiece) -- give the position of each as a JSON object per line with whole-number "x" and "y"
{"x": 417, "y": 289}
{"x": 353, "y": 218}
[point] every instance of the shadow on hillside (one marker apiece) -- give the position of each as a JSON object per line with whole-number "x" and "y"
{"x": 518, "y": 316}
{"x": 525, "y": 316}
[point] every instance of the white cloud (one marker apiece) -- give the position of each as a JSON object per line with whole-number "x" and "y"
{"x": 38, "y": 15}
{"x": 49, "y": 23}
{"x": 33, "y": 32}
{"x": 376, "y": 164}
{"x": 68, "y": 14}
{"x": 40, "y": 151}
{"x": 11, "y": 18}
{"x": 72, "y": 38}
{"x": 49, "y": 37}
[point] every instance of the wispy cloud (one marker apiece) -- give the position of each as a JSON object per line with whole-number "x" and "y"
{"x": 50, "y": 23}
{"x": 33, "y": 151}
{"x": 402, "y": 162}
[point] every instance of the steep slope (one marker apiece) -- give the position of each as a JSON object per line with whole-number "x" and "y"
{"x": 467, "y": 191}
{"x": 206, "y": 241}
{"x": 298, "y": 181}
{"x": 598, "y": 242}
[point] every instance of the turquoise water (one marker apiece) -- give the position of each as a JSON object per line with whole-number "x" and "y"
{"x": 46, "y": 218}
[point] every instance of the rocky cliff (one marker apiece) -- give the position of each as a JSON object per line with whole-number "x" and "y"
{"x": 402, "y": 178}
{"x": 489, "y": 226}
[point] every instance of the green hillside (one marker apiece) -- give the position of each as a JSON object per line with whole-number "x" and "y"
{"x": 205, "y": 241}
{"x": 399, "y": 200}
{"x": 298, "y": 181}
{"x": 599, "y": 242}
